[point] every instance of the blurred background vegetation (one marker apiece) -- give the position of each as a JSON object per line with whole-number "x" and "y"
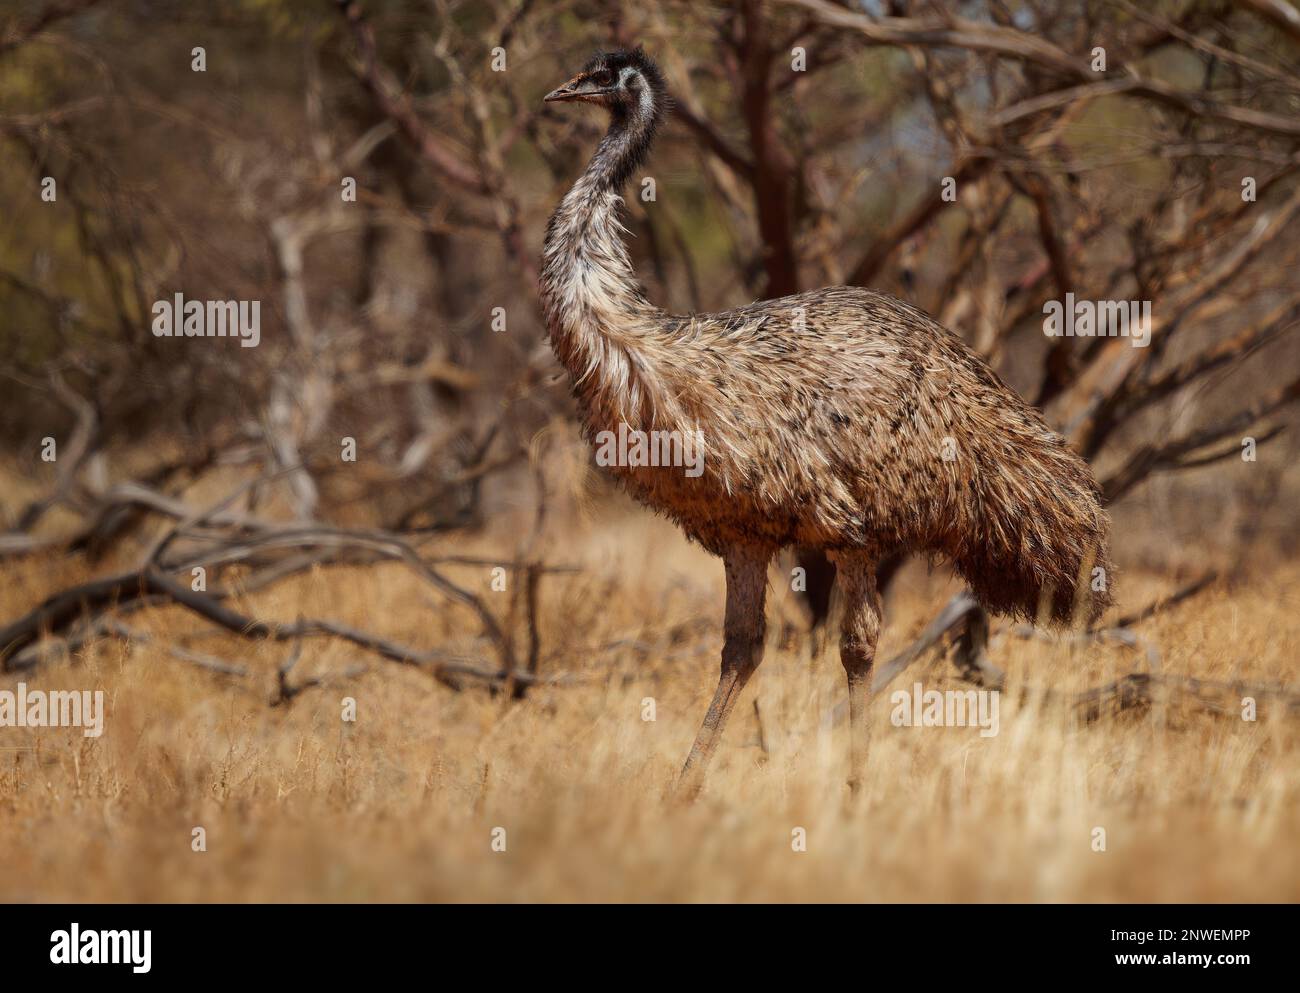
{"x": 377, "y": 315}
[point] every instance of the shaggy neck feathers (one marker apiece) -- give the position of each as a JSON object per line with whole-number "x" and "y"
{"x": 595, "y": 309}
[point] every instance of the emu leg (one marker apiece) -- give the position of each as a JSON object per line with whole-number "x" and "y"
{"x": 858, "y": 636}
{"x": 742, "y": 651}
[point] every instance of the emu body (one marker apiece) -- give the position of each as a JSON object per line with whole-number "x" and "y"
{"x": 840, "y": 418}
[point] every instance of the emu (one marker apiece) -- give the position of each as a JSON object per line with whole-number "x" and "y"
{"x": 840, "y": 419}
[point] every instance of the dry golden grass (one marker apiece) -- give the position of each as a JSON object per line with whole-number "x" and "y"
{"x": 400, "y": 805}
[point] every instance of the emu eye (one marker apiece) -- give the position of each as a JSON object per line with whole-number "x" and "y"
{"x": 603, "y": 78}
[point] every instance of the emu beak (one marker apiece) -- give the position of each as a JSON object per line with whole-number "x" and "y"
{"x": 569, "y": 91}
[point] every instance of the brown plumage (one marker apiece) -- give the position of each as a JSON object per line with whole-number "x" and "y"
{"x": 840, "y": 418}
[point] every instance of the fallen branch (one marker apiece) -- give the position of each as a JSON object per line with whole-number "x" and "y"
{"x": 59, "y": 611}
{"x": 1140, "y": 690}
{"x": 1165, "y": 602}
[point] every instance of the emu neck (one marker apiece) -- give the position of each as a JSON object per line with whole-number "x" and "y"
{"x": 595, "y": 308}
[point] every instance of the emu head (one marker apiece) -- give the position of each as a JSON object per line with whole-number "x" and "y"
{"x": 625, "y": 82}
